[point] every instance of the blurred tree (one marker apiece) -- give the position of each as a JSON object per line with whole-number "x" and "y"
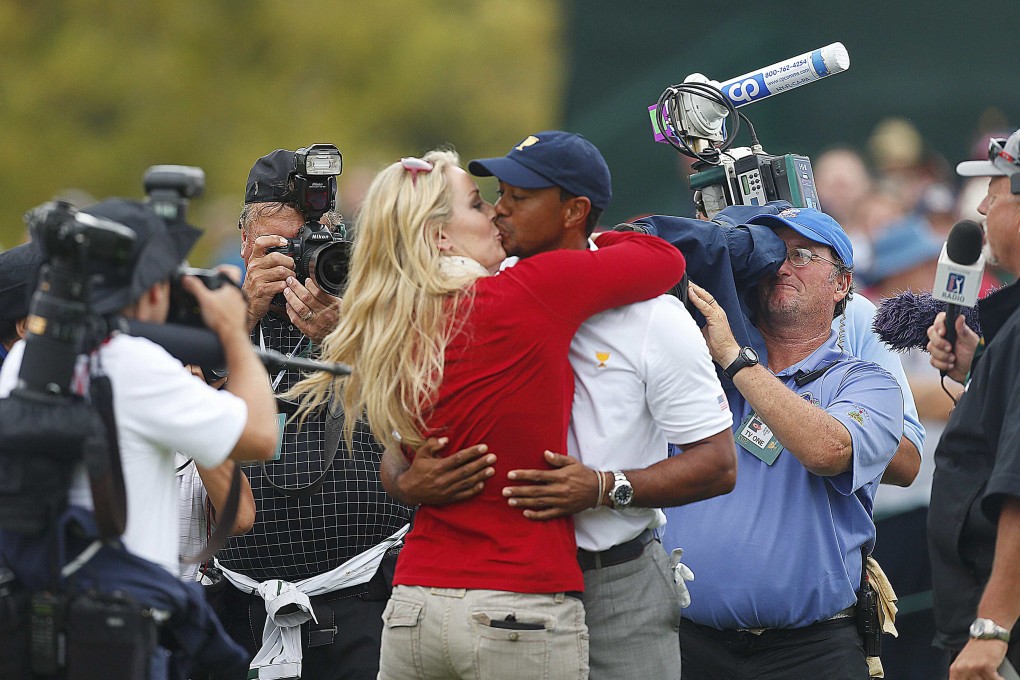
{"x": 93, "y": 91}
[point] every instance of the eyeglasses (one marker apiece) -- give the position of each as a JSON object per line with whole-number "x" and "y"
{"x": 800, "y": 257}
{"x": 414, "y": 166}
{"x": 997, "y": 150}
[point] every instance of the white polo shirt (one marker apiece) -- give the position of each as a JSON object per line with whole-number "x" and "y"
{"x": 160, "y": 407}
{"x": 643, "y": 377}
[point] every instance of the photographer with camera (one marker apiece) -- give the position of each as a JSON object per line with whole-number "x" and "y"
{"x": 150, "y": 405}
{"x": 326, "y": 530}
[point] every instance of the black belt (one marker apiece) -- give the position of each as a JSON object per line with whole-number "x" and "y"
{"x": 618, "y": 554}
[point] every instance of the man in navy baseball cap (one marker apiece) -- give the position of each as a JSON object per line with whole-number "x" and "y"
{"x": 548, "y": 180}
{"x": 553, "y": 158}
{"x": 554, "y": 186}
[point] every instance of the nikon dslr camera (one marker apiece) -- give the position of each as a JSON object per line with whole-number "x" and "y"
{"x": 319, "y": 253}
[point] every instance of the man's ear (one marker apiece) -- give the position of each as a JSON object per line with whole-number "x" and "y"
{"x": 21, "y": 326}
{"x": 575, "y": 211}
{"x": 843, "y": 282}
{"x": 246, "y": 244}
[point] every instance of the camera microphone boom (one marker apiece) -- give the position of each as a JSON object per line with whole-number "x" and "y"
{"x": 201, "y": 347}
{"x": 958, "y": 277}
{"x": 755, "y": 86}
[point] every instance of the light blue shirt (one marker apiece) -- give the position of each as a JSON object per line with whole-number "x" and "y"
{"x": 783, "y": 549}
{"x": 863, "y": 342}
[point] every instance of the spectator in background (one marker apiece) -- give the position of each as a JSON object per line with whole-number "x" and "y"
{"x": 906, "y": 165}
{"x": 845, "y": 189}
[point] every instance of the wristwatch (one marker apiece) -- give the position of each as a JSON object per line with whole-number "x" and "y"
{"x": 986, "y": 629}
{"x": 622, "y": 493}
{"x": 746, "y": 357}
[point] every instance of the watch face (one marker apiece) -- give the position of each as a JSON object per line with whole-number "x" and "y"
{"x": 986, "y": 629}
{"x": 750, "y": 355}
{"x": 623, "y": 495}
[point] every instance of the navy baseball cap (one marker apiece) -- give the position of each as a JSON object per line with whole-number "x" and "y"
{"x": 815, "y": 225}
{"x": 19, "y": 268}
{"x": 552, "y": 159}
{"x": 269, "y": 178}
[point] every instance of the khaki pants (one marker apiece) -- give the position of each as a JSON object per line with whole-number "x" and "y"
{"x": 439, "y": 633}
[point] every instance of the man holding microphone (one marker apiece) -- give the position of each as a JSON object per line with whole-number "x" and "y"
{"x": 974, "y": 516}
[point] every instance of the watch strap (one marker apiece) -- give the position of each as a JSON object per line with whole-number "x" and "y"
{"x": 742, "y": 361}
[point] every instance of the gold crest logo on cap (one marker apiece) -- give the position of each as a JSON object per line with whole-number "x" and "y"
{"x": 532, "y": 139}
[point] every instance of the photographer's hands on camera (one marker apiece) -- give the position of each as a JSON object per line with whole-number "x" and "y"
{"x": 313, "y": 311}
{"x": 223, "y": 309}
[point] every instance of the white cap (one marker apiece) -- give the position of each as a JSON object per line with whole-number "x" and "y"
{"x": 1004, "y": 159}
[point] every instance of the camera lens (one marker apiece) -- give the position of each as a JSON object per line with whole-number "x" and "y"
{"x": 329, "y": 264}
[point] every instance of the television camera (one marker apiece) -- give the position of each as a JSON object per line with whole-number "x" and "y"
{"x": 691, "y": 117}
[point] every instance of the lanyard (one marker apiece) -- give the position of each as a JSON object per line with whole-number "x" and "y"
{"x": 293, "y": 353}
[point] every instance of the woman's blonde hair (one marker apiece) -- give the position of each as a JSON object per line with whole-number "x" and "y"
{"x": 399, "y": 310}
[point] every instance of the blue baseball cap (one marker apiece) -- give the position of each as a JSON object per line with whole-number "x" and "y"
{"x": 552, "y": 159}
{"x": 815, "y": 225}
{"x": 902, "y": 245}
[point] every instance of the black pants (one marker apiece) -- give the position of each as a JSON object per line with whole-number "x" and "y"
{"x": 902, "y": 550}
{"x": 351, "y": 652}
{"x": 830, "y": 650}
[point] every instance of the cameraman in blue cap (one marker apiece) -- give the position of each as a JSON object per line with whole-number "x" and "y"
{"x": 801, "y": 509}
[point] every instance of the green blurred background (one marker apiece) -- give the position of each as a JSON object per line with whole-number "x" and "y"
{"x": 93, "y": 92}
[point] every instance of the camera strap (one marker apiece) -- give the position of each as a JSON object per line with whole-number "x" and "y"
{"x": 102, "y": 460}
{"x": 224, "y": 522}
{"x": 334, "y": 430}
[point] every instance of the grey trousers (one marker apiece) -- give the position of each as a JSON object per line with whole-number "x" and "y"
{"x": 633, "y": 615}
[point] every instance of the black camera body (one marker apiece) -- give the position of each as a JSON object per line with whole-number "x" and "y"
{"x": 77, "y": 247}
{"x": 184, "y": 307}
{"x": 319, "y": 253}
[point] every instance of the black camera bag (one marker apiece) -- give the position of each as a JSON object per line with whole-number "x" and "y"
{"x": 41, "y": 440}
